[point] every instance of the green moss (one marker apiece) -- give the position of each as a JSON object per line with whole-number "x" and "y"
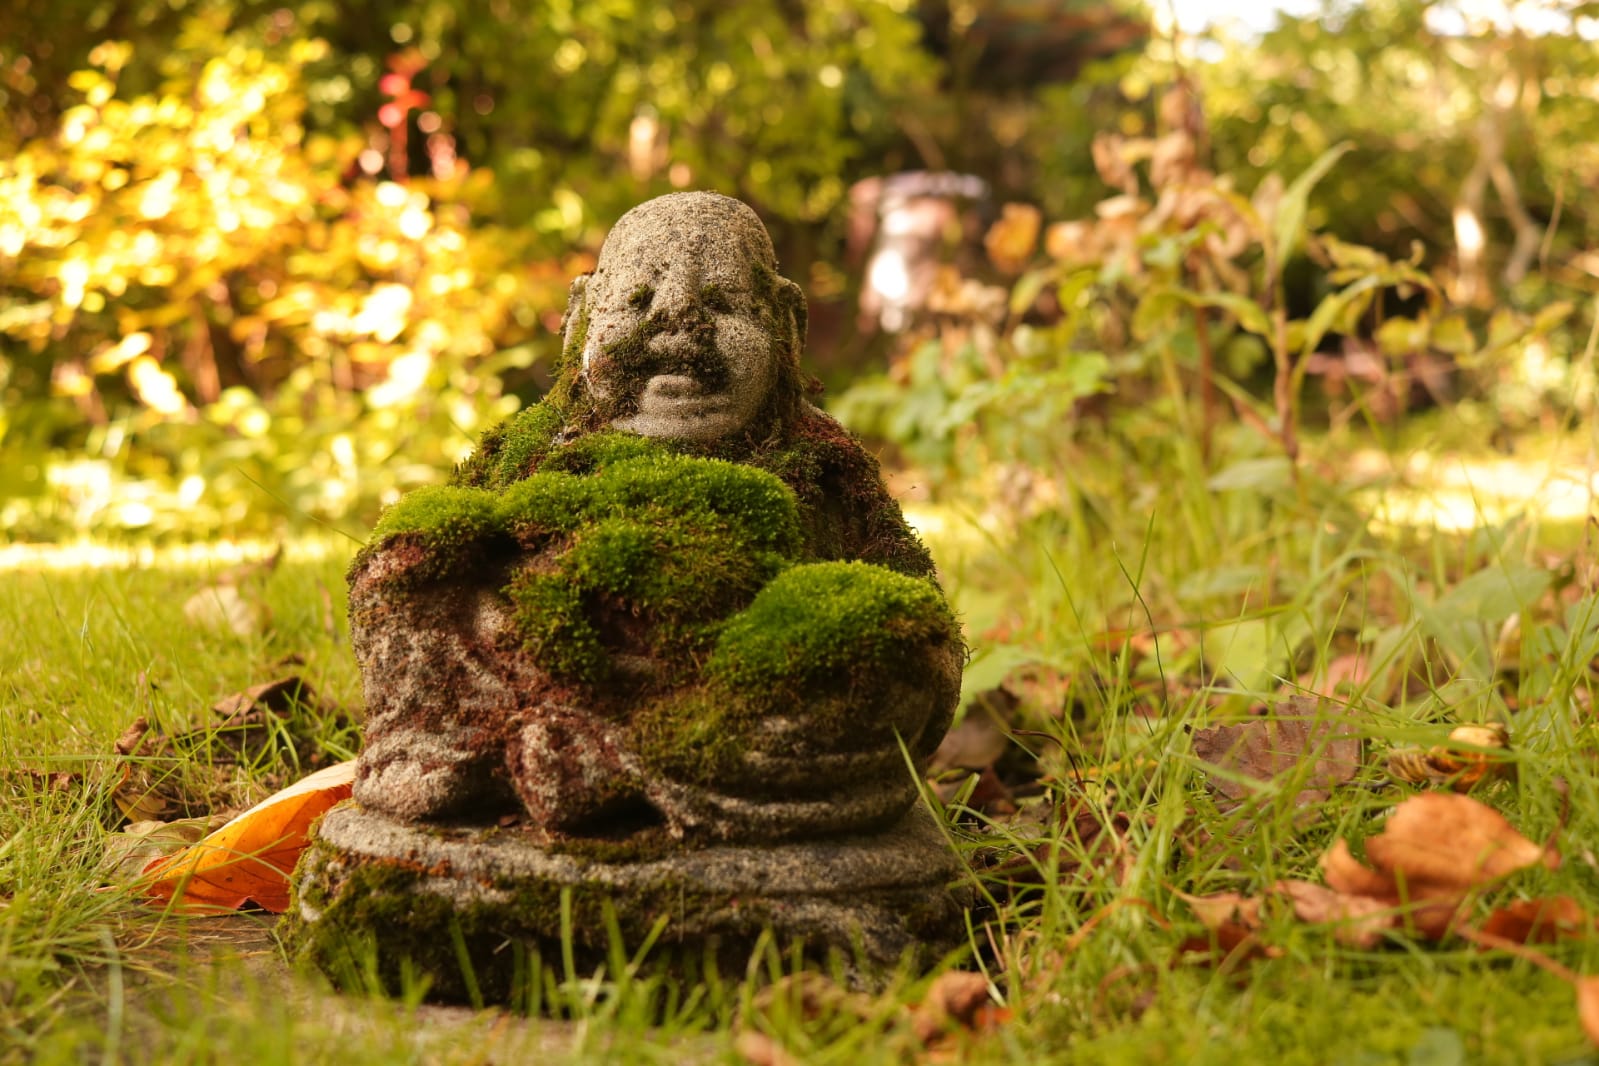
{"x": 553, "y": 621}
{"x": 824, "y": 623}
{"x": 528, "y": 438}
{"x": 595, "y": 450}
{"x": 696, "y": 735}
{"x": 450, "y": 527}
{"x": 442, "y": 513}
{"x": 824, "y": 640}
{"x": 546, "y": 504}
{"x": 376, "y": 917}
{"x": 512, "y": 449}
{"x": 649, "y": 552}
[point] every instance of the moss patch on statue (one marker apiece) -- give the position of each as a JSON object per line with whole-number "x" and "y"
{"x": 632, "y": 548}
{"x": 824, "y": 641}
{"x": 701, "y": 567}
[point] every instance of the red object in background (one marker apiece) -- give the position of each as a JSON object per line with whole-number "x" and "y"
{"x": 403, "y": 99}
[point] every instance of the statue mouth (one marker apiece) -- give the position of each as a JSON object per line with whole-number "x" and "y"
{"x": 681, "y": 394}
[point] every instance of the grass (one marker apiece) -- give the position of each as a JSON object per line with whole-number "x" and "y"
{"x": 1139, "y": 596}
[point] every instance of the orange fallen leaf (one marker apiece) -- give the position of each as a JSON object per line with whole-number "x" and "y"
{"x": 1357, "y": 921}
{"x": 1540, "y": 921}
{"x": 1473, "y": 754}
{"x": 1453, "y": 841}
{"x": 251, "y": 857}
{"x": 1588, "y": 1006}
{"x": 956, "y": 1000}
{"x": 758, "y": 1049}
{"x": 1222, "y": 908}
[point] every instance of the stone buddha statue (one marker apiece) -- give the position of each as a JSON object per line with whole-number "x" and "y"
{"x": 670, "y": 612}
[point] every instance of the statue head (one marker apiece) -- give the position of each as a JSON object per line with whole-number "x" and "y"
{"x": 685, "y": 330}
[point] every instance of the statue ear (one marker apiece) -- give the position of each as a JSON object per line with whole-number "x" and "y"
{"x": 574, "y": 315}
{"x": 791, "y": 302}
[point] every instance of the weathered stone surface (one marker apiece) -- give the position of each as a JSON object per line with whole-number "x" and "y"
{"x": 370, "y": 882}
{"x": 670, "y": 612}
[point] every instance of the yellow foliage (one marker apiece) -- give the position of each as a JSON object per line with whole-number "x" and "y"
{"x": 158, "y": 248}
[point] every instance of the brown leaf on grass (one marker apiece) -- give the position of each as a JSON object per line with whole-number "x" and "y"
{"x": 1472, "y": 754}
{"x": 278, "y": 697}
{"x": 1588, "y": 1006}
{"x": 1358, "y": 921}
{"x": 281, "y": 714}
{"x": 225, "y": 607}
{"x": 251, "y": 857}
{"x": 1302, "y": 730}
{"x": 758, "y": 1049}
{"x": 136, "y": 791}
{"x": 1452, "y": 841}
{"x": 1221, "y": 908}
{"x": 1229, "y": 944}
{"x": 33, "y": 779}
{"x": 133, "y": 738}
{"x": 1540, "y": 921}
{"x": 982, "y": 736}
{"x": 955, "y": 1001}
{"x": 1433, "y": 852}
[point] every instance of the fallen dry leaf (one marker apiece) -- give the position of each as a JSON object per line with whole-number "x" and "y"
{"x": 1302, "y": 730}
{"x": 1472, "y": 754}
{"x": 251, "y": 857}
{"x": 1357, "y": 921}
{"x": 133, "y": 737}
{"x": 127, "y": 853}
{"x": 137, "y": 793}
{"x": 956, "y": 1000}
{"x": 1588, "y": 1006}
{"x": 1452, "y": 841}
{"x": 280, "y": 697}
{"x": 1228, "y": 944}
{"x": 758, "y": 1049}
{"x": 1221, "y": 908}
{"x": 264, "y": 724}
{"x": 1540, "y": 921}
{"x": 1434, "y": 851}
{"x": 982, "y": 736}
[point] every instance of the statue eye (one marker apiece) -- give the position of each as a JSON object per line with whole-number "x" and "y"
{"x": 641, "y": 297}
{"x": 715, "y": 298}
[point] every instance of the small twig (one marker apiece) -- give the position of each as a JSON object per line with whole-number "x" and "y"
{"x": 1038, "y": 733}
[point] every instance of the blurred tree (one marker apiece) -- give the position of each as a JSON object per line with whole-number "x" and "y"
{"x": 1467, "y": 134}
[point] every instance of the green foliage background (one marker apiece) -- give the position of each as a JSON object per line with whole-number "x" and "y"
{"x": 264, "y": 264}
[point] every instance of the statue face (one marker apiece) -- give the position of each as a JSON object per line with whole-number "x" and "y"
{"x": 679, "y": 342}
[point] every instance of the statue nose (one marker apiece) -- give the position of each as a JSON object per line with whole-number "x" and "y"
{"x": 676, "y": 294}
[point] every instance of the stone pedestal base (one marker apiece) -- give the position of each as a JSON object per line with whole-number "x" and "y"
{"x": 473, "y": 909}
